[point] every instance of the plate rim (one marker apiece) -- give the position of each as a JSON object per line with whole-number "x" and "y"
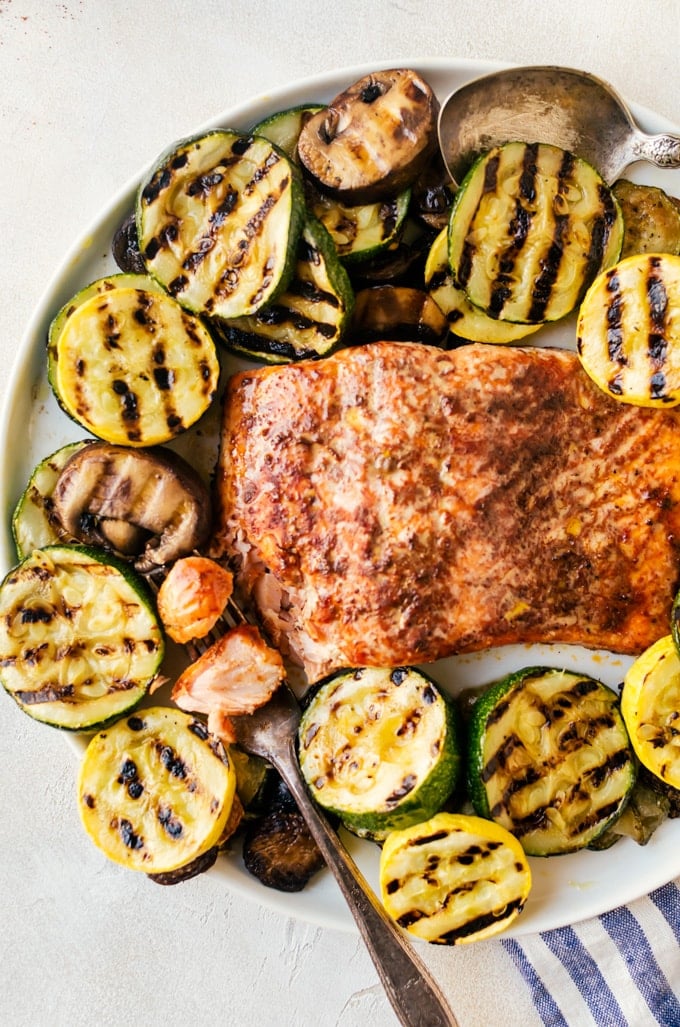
{"x": 27, "y": 369}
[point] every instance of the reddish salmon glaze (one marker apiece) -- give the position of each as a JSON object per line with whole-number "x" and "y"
{"x": 395, "y": 503}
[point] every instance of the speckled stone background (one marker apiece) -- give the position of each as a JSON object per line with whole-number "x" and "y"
{"x": 90, "y": 92}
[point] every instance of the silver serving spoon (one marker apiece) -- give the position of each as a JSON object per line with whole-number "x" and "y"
{"x": 569, "y": 108}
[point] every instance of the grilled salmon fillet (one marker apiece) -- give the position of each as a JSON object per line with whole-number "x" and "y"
{"x": 395, "y": 503}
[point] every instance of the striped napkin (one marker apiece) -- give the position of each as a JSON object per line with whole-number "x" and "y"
{"x": 621, "y": 969}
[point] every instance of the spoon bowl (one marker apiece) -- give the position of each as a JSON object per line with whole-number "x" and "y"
{"x": 548, "y": 104}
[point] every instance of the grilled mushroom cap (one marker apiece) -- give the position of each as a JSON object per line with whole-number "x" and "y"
{"x": 373, "y": 139}
{"x": 399, "y": 313}
{"x": 139, "y": 502}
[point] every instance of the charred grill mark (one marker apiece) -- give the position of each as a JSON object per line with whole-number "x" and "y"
{"x": 468, "y": 252}
{"x": 172, "y": 762}
{"x": 262, "y": 171}
{"x": 601, "y": 230}
{"x": 178, "y": 285}
{"x": 614, "y": 320}
{"x": 425, "y": 839}
{"x": 160, "y": 181}
{"x": 519, "y": 229}
{"x": 596, "y": 776}
{"x": 657, "y": 344}
{"x": 481, "y": 922}
{"x": 36, "y": 615}
{"x": 48, "y": 693}
{"x": 550, "y": 264}
{"x": 407, "y": 786}
{"x": 312, "y": 293}
{"x": 169, "y": 822}
{"x": 129, "y": 837}
{"x": 278, "y": 314}
{"x": 499, "y": 759}
{"x": 204, "y": 184}
{"x": 595, "y": 817}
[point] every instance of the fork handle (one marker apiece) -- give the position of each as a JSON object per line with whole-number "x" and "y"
{"x": 414, "y": 995}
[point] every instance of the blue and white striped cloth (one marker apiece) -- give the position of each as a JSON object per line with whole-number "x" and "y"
{"x": 621, "y": 969}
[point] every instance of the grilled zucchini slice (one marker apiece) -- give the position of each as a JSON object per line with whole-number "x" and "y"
{"x": 629, "y": 327}
{"x": 283, "y": 128}
{"x": 531, "y": 227}
{"x": 454, "y": 879}
{"x": 155, "y": 790}
{"x": 129, "y": 364}
{"x": 34, "y": 523}
{"x": 309, "y": 318}
{"x": 651, "y": 219}
{"x": 549, "y": 758}
{"x": 218, "y": 222}
{"x": 650, "y": 704}
{"x": 363, "y": 232}
{"x": 464, "y": 320}
{"x": 379, "y": 747}
{"x": 80, "y": 641}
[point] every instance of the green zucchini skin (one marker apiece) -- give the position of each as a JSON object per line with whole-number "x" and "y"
{"x": 549, "y": 759}
{"x": 283, "y": 128}
{"x": 364, "y": 232}
{"x": 309, "y": 318}
{"x": 530, "y": 229}
{"x": 218, "y": 222}
{"x": 359, "y": 233}
{"x": 380, "y": 748}
{"x": 34, "y": 525}
{"x": 80, "y": 640}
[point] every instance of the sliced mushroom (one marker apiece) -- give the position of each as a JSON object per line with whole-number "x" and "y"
{"x": 125, "y": 247}
{"x": 148, "y": 504}
{"x": 399, "y": 314}
{"x": 373, "y": 139}
{"x": 279, "y": 851}
{"x": 433, "y": 193}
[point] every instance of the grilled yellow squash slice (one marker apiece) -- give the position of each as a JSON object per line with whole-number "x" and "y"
{"x": 628, "y": 334}
{"x": 129, "y": 364}
{"x": 454, "y": 879}
{"x": 650, "y": 704}
{"x": 155, "y": 790}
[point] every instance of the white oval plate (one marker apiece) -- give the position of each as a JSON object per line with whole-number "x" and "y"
{"x": 566, "y": 888}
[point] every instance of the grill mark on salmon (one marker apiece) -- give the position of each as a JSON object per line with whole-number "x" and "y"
{"x": 395, "y": 504}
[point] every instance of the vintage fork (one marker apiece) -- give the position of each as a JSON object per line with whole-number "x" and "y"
{"x": 271, "y": 733}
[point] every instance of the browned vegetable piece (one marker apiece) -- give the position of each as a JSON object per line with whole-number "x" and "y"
{"x": 398, "y": 314}
{"x": 279, "y": 850}
{"x": 373, "y": 139}
{"x": 432, "y": 196}
{"x": 197, "y": 866}
{"x": 125, "y": 248}
{"x": 651, "y": 219}
{"x": 143, "y": 503}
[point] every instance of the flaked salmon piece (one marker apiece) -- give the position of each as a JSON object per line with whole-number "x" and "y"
{"x": 395, "y": 503}
{"x": 236, "y": 675}
{"x": 192, "y": 597}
